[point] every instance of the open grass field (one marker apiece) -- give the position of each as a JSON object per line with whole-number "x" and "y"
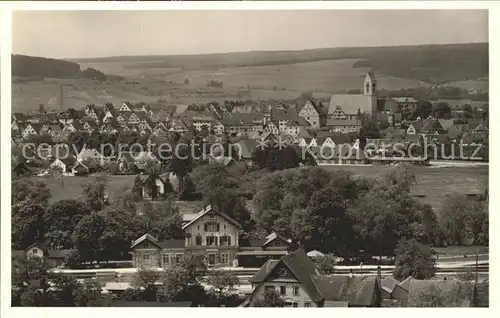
{"x": 434, "y": 183}
{"x": 471, "y": 84}
{"x": 148, "y": 84}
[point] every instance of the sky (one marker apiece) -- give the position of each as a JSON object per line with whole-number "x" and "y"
{"x": 85, "y": 34}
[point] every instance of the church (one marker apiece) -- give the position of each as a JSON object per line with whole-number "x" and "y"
{"x": 351, "y": 104}
{"x": 344, "y": 109}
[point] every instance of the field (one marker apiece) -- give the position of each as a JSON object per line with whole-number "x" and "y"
{"x": 434, "y": 183}
{"x": 147, "y": 85}
{"x": 471, "y": 84}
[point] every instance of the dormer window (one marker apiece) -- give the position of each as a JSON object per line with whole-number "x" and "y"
{"x": 35, "y": 251}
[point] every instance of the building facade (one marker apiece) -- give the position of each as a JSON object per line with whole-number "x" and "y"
{"x": 213, "y": 235}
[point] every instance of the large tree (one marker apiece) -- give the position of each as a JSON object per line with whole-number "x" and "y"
{"x": 181, "y": 163}
{"x": 27, "y": 224}
{"x": 414, "y": 259}
{"x": 60, "y": 220}
{"x": 87, "y": 236}
{"x": 221, "y": 281}
{"x": 95, "y": 192}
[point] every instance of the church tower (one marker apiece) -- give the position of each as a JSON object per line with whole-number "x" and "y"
{"x": 370, "y": 85}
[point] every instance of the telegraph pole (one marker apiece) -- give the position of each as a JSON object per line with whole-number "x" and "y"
{"x": 477, "y": 261}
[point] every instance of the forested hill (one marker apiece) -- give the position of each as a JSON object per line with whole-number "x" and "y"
{"x": 33, "y": 66}
{"x": 428, "y": 63}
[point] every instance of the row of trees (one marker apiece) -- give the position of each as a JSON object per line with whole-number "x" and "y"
{"x": 182, "y": 282}
{"x": 342, "y": 214}
{"x": 33, "y": 285}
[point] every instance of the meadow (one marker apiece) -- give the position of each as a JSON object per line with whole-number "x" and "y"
{"x": 432, "y": 187}
{"x": 148, "y": 84}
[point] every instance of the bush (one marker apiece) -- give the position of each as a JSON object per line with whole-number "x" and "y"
{"x": 132, "y": 294}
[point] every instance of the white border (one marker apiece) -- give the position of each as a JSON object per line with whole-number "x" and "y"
{"x": 5, "y": 35}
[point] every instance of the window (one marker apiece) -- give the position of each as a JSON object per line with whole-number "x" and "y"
{"x": 283, "y": 290}
{"x": 225, "y": 240}
{"x": 35, "y": 251}
{"x": 178, "y": 258}
{"x": 307, "y": 305}
{"x": 198, "y": 240}
{"x": 296, "y": 290}
{"x": 211, "y": 216}
{"x": 145, "y": 257}
{"x": 225, "y": 258}
{"x": 282, "y": 272}
{"x": 166, "y": 259}
{"x": 295, "y": 304}
{"x": 211, "y": 227}
{"x": 288, "y": 304}
{"x": 211, "y": 241}
{"x": 224, "y": 226}
{"x": 211, "y": 259}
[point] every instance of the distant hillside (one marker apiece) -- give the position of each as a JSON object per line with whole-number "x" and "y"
{"x": 33, "y": 67}
{"x": 428, "y": 63}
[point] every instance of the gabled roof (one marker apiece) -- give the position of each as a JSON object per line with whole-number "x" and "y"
{"x": 299, "y": 265}
{"x": 145, "y": 237}
{"x": 273, "y": 236}
{"x": 350, "y": 103}
{"x": 357, "y": 291}
{"x": 205, "y": 211}
{"x": 264, "y": 271}
{"x": 304, "y": 270}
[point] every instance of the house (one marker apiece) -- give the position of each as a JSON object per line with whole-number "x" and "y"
{"x": 352, "y": 104}
{"x": 425, "y": 126}
{"x": 126, "y": 107}
{"x": 343, "y": 125}
{"x": 311, "y": 113}
{"x": 31, "y": 129}
{"x": 80, "y": 168}
{"x": 91, "y": 155}
{"x": 178, "y": 125}
{"x": 52, "y": 256}
{"x": 73, "y": 126}
{"x": 245, "y": 148}
{"x": 198, "y": 120}
{"x": 65, "y": 165}
{"x": 154, "y": 186}
{"x": 295, "y": 278}
{"x": 139, "y": 161}
{"x": 210, "y": 233}
{"x": 406, "y": 104}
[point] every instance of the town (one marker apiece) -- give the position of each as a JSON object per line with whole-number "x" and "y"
{"x": 338, "y": 177}
{"x": 233, "y": 236}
